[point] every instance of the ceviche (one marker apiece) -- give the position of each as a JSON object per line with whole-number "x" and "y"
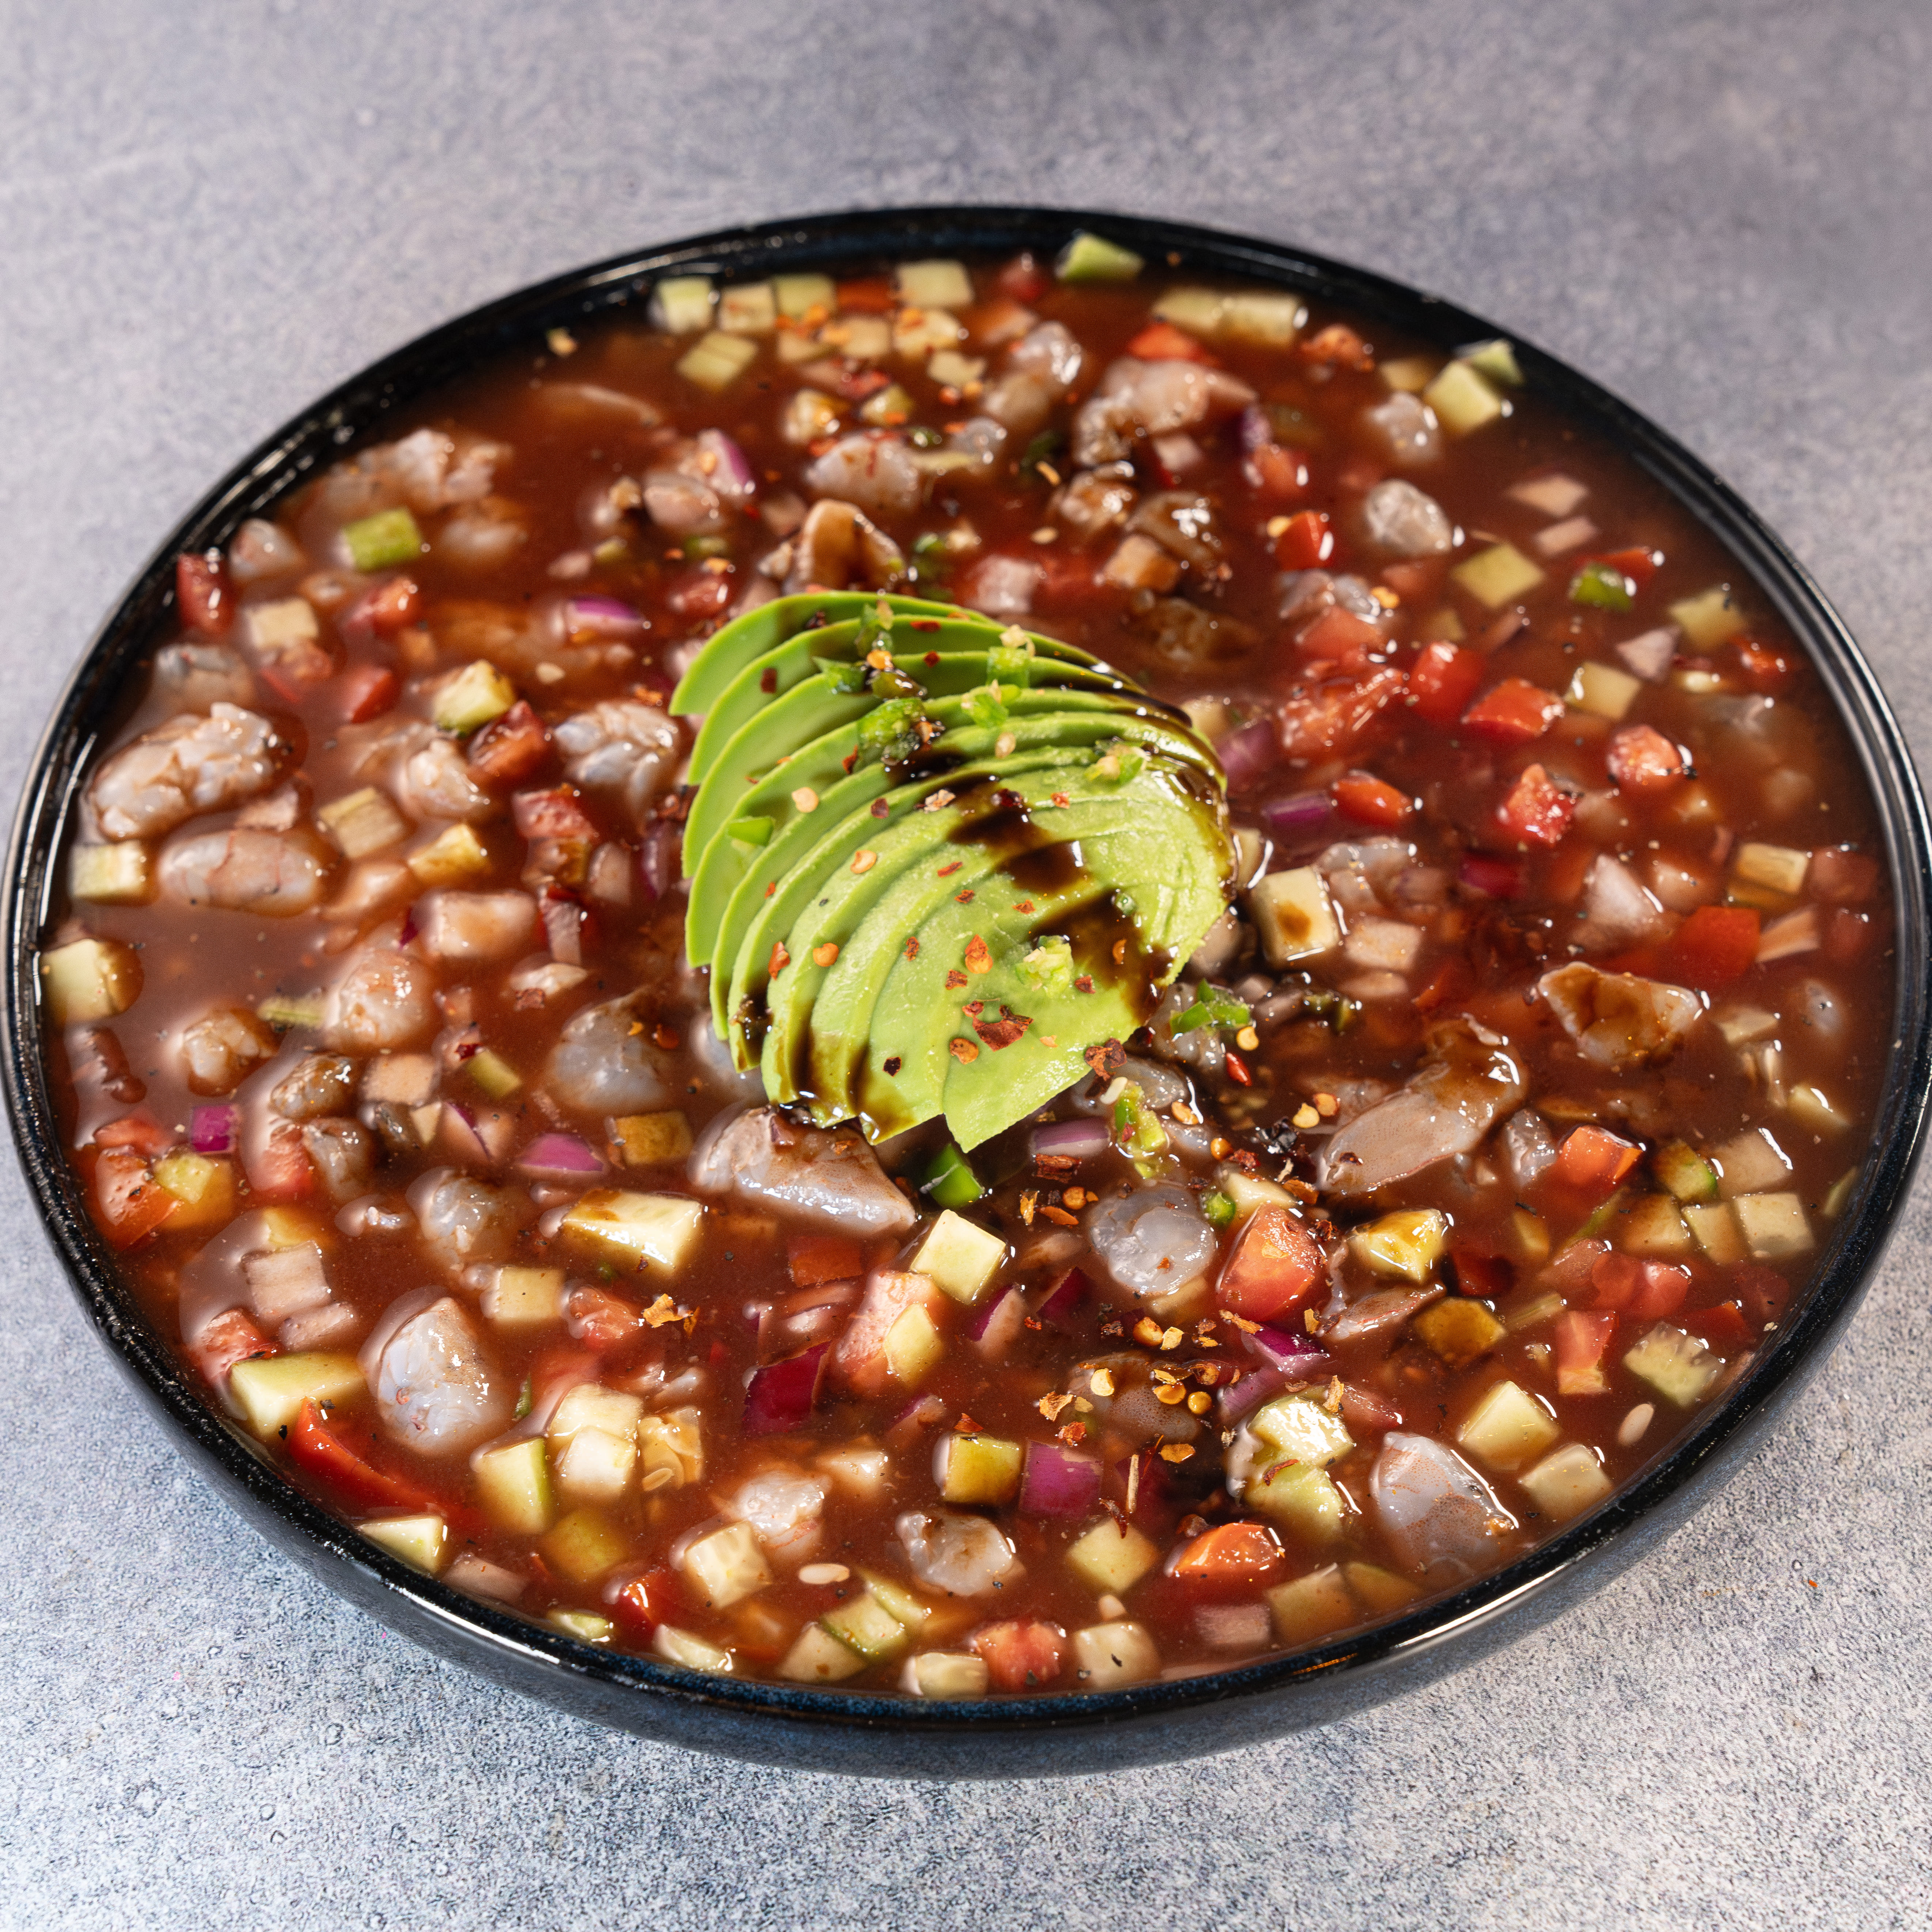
{"x": 1004, "y": 977}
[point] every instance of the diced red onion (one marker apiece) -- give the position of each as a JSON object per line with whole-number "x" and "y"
{"x": 1058, "y": 1483}
{"x": 1495, "y": 878}
{"x": 212, "y": 1129}
{"x": 1065, "y": 1299}
{"x": 1246, "y": 754}
{"x": 1250, "y": 1392}
{"x": 410, "y": 929}
{"x": 1362, "y": 1410}
{"x": 732, "y": 475}
{"x": 1300, "y": 815}
{"x": 981, "y": 1318}
{"x": 595, "y": 617}
{"x": 1071, "y": 1140}
{"x": 562, "y": 1154}
{"x": 658, "y": 862}
{"x": 1256, "y": 431}
{"x": 779, "y": 1396}
{"x": 1301, "y": 1355}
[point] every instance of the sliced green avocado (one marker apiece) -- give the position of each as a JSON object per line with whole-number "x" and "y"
{"x": 719, "y": 908}
{"x": 796, "y": 659}
{"x": 821, "y": 704}
{"x": 727, "y": 650}
{"x": 824, "y": 890}
{"x": 1158, "y": 840}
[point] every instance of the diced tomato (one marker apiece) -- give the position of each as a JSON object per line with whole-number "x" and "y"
{"x": 1450, "y": 985}
{"x": 282, "y": 1170}
{"x": 700, "y": 593}
{"x": 508, "y": 749}
{"x": 1762, "y": 1294}
{"x": 1371, "y": 800}
{"x": 1723, "y": 1327}
{"x": 1162, "y": 342}
{"x": 1495, "y": 878}
{"x": 1276, "y": 472}
{"x": 1839, "y": 876}
{"x": 1580, "y": 1340}
{"x": 648, "y": 1600}
{"x": 368, "y": 692}
{"x": 1231, "y": 1554}
{"x": 1848, "y": 936}
{"x": 1020, "y": 1656}
{"x": 1593, "y": 1161}
{"x": 229, "y": 1338}
{"x": 816, "y": 1258}
{"x": 1514, "y": 712}
{"x": 139, "y": 1130}
{"x": 1715, "y": 945}
{"x": 873, "y": 295}
{"x": 1336, "y": 716}
{"x": 383, "y": 611}
{"x": 1309, "y": 540}
{"x": 1442, "y": 681}
{"x": 201, "y": 589}
{"x": 1341, "y": 638}
{"x": 1024, "y": 279}
{"x": 1276, "y": 1266}
{"x": 1340, "y": 344}
{"x": 1414, "y": 578}
{"x": 1642, "y": 760}
{"x": 129, "y": 1203}
{"x": 1661, "y": 1291}
{"x": 1538, "y": 811}
{"x": 557, "y": 814}
{"x": 319, "y": 1451}
{"x": 1638, "y": 565}
{"x": 1765, "y": 668}
{"x": 1483, "y": 1276}
{"x": 1615, "y": 1279}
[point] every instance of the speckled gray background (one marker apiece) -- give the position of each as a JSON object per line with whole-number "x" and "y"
{"x": 211, "y": 211}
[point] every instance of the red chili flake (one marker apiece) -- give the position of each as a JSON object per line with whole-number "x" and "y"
{"x": 1105, "y": 1059}
{"x": 964, "y": 898}
{"x": 978, "y": 959}
{"x": 925, "y": 624}
{"x": 880, "y": 809}
{"x": 1061, "y": 798}
{"x": 963, "y": 1050}
{"x": 1084, "y": 984}
{"x": 847, "y": 762}
{"x": 946, "y": 871}
{"x": 973, "y": 1006}
{"x": 892, "y": 1066}
{"x": 1074, "y": 1434}
{"x": 780, "y": 960}
{"x": 912, "y": 948}
{"x": 769, "y": 682}
{"x": 931, "y": 659}
{"x": 1002, "y": 1032}
{"x": 1024, "y": 905}
{"x": 1237, "y": 1070}
{"x": 771, "y": 888}
{"x": 966, "y": 1426}
{"x": 955, "y": 979}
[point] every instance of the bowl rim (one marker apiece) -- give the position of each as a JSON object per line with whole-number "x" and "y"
{"x": 625, "y": 1688}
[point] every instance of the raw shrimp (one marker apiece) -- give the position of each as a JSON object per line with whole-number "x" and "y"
{"x": 189, "y": 765}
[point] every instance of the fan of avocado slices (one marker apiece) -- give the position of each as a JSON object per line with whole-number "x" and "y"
{"x": 935, "y": 862}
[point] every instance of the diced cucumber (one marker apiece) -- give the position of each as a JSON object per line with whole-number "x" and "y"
{"x": 421, "y": 1541}
{"x": 1198, "y": 311}
{"x": 287, "y": 624}
{"x": 890, "y": 408}
{"x": 120, "y": 873}
{"x": 934, "y": 284}
{"x": 1463, "y": 401}
{"x": 950, "y": 1181}
{"x": 592, "y": 1406}
{"x": 1105, "y": 1655}
{"x": 583, "y": 1625}
{"x": 818, "y": 1657}
{"x": 977, "y": 1468}
{"x": 366, "y": 821}
{"x": 960, "y": 1258}
{"x": 681, "y": 305}
{"x": 1566, "y": 1482}
{"x": 716, "y": 360}
{"x": 1404, "y": 1245}
{"x": 456, "y": 854}
{"x": 594, "y": 1466}
{"x": 1709, "y": 618}
{"x": 679, "y": 1646}
{"x": 492, "y": 1073}
{"x": 1534, "y": 1314}
{"x": 1292, "y": 913}
{"x": 284, "y": 1281}
{"x": 799, "y": 295}
{"x": 382, "y": 541}
{"x": 90, "y": 979}
{"x": 1598, "y": 585}
{"x": 1507, "y": 1427}
{"x": 1532, "y": 1236}
{"x": 1496, "y": 360}
{"x": 585, "y": 1545}
{"x": 1781, "y": 868}
{"x": 1715, "y": 1229}
{"x": 1312, "y": 1606}
{"x": 726, "y": 1565}
{"x": 271, "y": 1389}
{"x": 513, "y": 1485}
{"x": 1679, "y": 1366}
{"x": 900, "y": 1604}
{"x": 524, "y": 1297}
{"x": 1654, "y": 1227}
{"x": 285, "y": 1012}
{"x": 914, "y": 1346}
{"x": 1773, "y": 1225}
{"x": 1112, "y": 1556}
{"x": 203, "y": 1185}
{"x": 1687, "y": 1174}
{"x": 1750, "y": 1164}
{"x": 1498, "y": 576}
{"x": 1743, "y": 1026}
{"x": 655, "y": 1231}
{"x": 470, "y": 699}
{"x": 1840, "y": 1193}
{"x": 1088, "y": 258}
{"x": 1410, "y": 374}
{"x": 1457, "y": 1330}
{"x": 1301, "y": 1500}
{"x": 1381, "y": 1590}
{"x": 865, "y": 1623}
{"x": 1602, "y": 690}
{"x": 751, "y": 310}
{"x": 652, "y": 1140}
{"x": 919, "y": 333}
{"x": 291, "y": 1227}
{"x": 1297, "y": 1427}
{"x": 946, "y": 1673}
{"x": 859, "y": 338}
{"x": 1272, "y": 320}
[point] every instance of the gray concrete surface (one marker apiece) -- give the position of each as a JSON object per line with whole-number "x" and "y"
{"x": 208, "y": 212}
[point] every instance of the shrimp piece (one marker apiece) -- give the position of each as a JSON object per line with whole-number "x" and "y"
{"x": 839, "y": 545}
{"x": 1149, "y": 399}
{"x": 622, "y": 746}
{"x": 248, "y": 869}
{"x": 607, "y": 1062}
{"x": 190, "y": 764}
{"x": 322, "y": 1083}
{"x": 1440, "y": 1517}
{"x": 436, "y": 783}
{"x": 436, "y": 1390}
{"x": 876, "y": 472}
{"x": 859, "y": 1362}
{"x": 964, "y": 1555}
{"x": 831, "y": 1178}
{"x": 787, "y": 1509}
{"x": 223, "y": 1047}
{"x": 1619, "y": 1021}
{"x": 462, "y": 1219}
{"x": 343, "y": 1156}
{"x": 384, "y": 1001}
{"x": 191, "y": 676}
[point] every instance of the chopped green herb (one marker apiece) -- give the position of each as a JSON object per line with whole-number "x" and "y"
{"x": 1048, "y": 967}
{"x": 524, "y": 1399}
{"x": 697, "y": 547}
{"x": 950, "y": 1179}
{"x": 751, "y": 831}
{"x": 1210, "y": 1010}
{"x": 1602, "y": 587}
{"x": 1048, "y": 443}
{"x": 985, "y": 706}
{"x": 845, "y": 676}
{"x": 1216, "y": 1209}
{"x": 1010, "y": 661}
{"x": 923, "y": 436}
{"x": 890, "y": 731}
{"x": 1138, "y": 1131}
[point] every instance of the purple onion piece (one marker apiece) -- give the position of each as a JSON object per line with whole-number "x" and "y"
{"x": 213, "y": 1129}
{"x": 1299, "y": 815}
{"x": 1065, "y": 1299}
{"x": 981, "y": 1318}
{"x": 731, "y": 474}
{"x": 1057, "y": 1482}
{"x": 1249, "y": 1393}
{"x": 658, "y": 862}
{"x": 595, "y": 616}
{"x": 1283, "y": 1348}
{"x": 1256, "y": 431}
{"x": 1246, "y": 754}
{"x": 779, "y": 1396}
{"x": 561, "y": 1154}
{"x": 1073, "y": 1140}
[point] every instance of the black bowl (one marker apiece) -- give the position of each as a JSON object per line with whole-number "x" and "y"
{"x": 839, "y": 1730}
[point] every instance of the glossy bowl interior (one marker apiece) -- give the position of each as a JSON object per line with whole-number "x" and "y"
{"x": 831, "y": 1730}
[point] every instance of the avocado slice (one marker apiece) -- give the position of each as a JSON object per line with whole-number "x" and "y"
{"x": 718, "y": 909}
{"x": 728, "y": 649}
{"x": 821, "y": 704}
{"x": 1158, "y": 840}
{"x": 796, "y": 659}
